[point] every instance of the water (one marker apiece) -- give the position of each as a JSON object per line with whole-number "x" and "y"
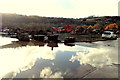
{"x": 39, "y": 60}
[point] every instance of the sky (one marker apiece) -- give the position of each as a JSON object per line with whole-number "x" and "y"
{"x": 61, "y": 8}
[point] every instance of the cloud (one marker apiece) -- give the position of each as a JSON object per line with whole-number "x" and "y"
{"x": 15, "y": 60}
{"x": 24, "y": 58}
{"x": 48, "y": 73}
{"x": 60, "y": 8}
{"x": 97, "y": 57}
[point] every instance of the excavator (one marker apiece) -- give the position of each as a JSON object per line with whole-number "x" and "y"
{"x": 111, "y": 27}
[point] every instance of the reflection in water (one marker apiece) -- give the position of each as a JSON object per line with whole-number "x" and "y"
{"x": 97, "y": 57}
{"x": 22, "y": 58}
{"x": 15, "y": 44}
{"x": 5, "y": 40}
{"x": 69, "y": 44}
{"x": 52, "y": 45}
{"x": 48, "y": 73}
{"x": 17, "y": 57}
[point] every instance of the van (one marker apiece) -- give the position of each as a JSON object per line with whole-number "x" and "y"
{"x": 109, "y": 35}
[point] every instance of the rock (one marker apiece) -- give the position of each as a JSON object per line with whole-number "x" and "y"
{"x": 69, "y": 40}
{"x": 39, "y": 37}
{"x": 53, "y": 37}
{"x": 23, "y": 37}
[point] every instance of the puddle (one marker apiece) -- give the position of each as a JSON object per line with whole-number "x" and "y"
{"x": 52, "y": 60}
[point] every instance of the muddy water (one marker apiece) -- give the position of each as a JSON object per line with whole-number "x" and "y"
{"x": 42, "y": 60}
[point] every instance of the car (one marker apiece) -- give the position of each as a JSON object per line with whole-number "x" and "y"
{"x": 109, "y": 35}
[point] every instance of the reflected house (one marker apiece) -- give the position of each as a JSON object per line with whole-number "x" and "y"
{"x": 52, "y": 45}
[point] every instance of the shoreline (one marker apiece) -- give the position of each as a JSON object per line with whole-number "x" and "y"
{"x": 78, "y": 37}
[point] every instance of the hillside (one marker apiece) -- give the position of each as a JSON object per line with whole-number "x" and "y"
{"x": 38, "y": 22}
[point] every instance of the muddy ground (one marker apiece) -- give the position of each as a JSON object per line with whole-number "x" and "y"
{"x": 81, "y": 38}
{"x": 78, "y": 37}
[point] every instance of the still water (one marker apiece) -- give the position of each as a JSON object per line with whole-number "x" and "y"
{"x": 42, "y": 60}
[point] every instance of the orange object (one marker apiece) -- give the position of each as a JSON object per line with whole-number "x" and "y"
{"x": 111, "y": 25}
{"x": 90, "y": 26}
